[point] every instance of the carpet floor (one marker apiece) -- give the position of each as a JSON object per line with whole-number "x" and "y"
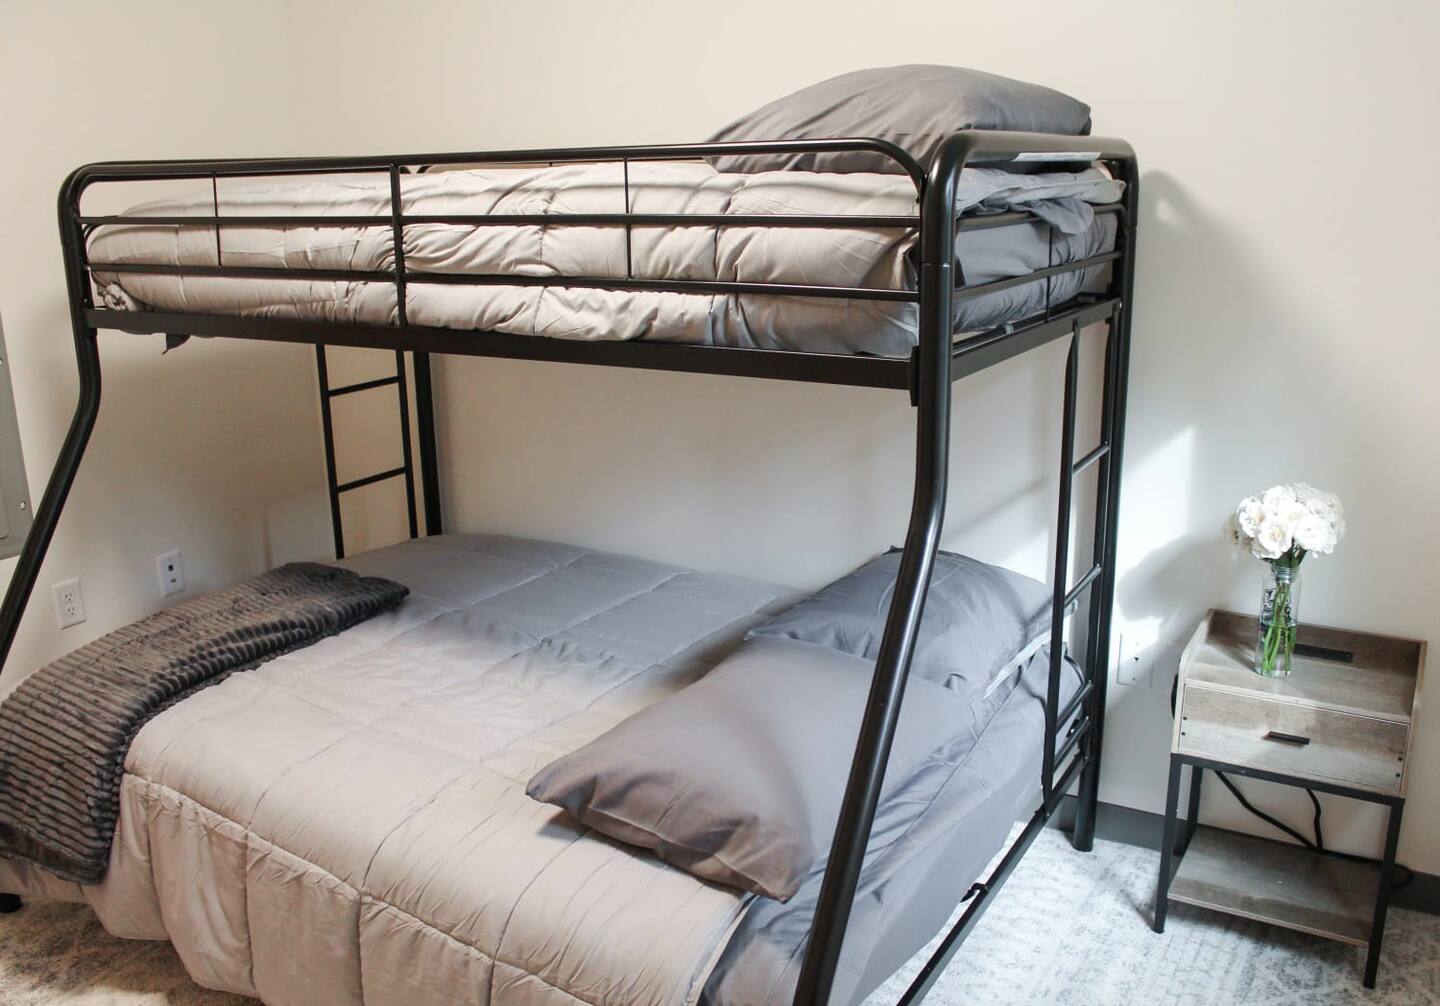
{"x": 1067, "y": 929}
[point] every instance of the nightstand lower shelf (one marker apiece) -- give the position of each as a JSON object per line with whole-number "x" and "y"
{"x": 1278, "y": 883}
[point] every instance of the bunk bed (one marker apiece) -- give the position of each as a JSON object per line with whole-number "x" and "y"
{"x": 1083, "y": 288}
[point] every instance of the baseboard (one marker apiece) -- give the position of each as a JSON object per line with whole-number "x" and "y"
{"x": 1140, "y": 827}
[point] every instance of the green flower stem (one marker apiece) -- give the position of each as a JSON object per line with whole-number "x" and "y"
{"x": 1279, "y": 632}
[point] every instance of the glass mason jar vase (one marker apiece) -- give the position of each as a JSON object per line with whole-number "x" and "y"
{"x": 1279, "y": 613}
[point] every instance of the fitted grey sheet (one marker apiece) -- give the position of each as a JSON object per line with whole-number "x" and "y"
{"x": 917, "y": 867}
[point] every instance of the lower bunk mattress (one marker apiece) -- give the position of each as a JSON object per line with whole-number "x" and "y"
{"x": 1065, "y": 229}
{"x": 348, "y": 823}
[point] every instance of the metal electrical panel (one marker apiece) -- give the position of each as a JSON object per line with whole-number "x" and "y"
{"x": 16, "y": 509}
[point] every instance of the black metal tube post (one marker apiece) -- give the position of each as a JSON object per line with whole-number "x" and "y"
{"x": 327, "y": 433}
{"x": 402, "y": 386}
{"x": 1061, "y": 589}
{"x": 1108, "y": 506}
{"x": 1382, "y": 894}
{"x": 87, "y": 407}
{"x": 425, "y": 424}
{"x": 1167, "y": 847}
{"x": 932, "y": 445}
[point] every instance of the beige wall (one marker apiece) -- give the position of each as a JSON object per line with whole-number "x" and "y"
{"x": 211, "y": 449}
{"x": 1281, "y": 329}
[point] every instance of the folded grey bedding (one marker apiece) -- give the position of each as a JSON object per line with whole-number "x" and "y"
{"x": 65, "y": 731}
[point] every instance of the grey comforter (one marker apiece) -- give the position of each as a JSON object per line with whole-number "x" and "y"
{"x": 65, "y": 731}
{"x": 865, "y": 257}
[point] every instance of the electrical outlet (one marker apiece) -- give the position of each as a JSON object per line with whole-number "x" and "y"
{"x": 1135, "y": 664}
{"x": 171, "y": 571}
{"x": 69, "y": 602}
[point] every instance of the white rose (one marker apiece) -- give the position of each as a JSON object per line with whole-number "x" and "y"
{"x": 1288, "y": 512}
{"x": 1322, "y": 508}
{"x": 1249, "y": 514}
{"x": 1303, "y": 491}
{"x": 1233, "y": 531}
{"x": 1276, "y": 496}
{"x": 1327, "y": 507}
{"x": 1272, "y": 541}
{"x": 1315, "y": 534}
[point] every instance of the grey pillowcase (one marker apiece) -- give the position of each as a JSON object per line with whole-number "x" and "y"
{"x": 977, "y": 619}
{"x": 738, "y": 779}
{"x": 914, "y": 107}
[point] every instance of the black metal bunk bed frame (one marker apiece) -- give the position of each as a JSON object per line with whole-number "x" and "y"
{"x": 937, "y": 361}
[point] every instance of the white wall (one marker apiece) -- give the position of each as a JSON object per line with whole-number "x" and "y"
{"x": 212, "y": 449}
{"x": 1279, "y": 331}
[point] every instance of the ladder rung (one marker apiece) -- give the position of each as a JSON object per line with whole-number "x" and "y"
{"x": 1082, "y": 728}
{"x": 368, "y": 480}
{"x": 1090, "y": 459}
{"x": 1074, "y": 704}
{"x": 350, "y": 389}
{"x": 1085, "y": 582}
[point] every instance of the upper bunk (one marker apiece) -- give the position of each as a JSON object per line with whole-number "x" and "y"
{"x": 641, "y": 256}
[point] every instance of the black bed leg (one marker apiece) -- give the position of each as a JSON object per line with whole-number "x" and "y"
{"x": 1086, "y": 807}
{"x": 87, "y": 407}
{"x": 47, "y": 514}
{"x": 10, "y": 903}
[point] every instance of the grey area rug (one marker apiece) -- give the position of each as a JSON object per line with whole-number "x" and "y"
{"x": 1067, "y": 929}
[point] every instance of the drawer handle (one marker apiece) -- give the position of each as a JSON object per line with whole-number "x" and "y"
{"x": 1324, "y": 653}
{"x": 1296, "y": 739}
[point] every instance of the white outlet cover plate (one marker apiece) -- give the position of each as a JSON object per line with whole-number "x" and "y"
{"x": 69, "y": 602}
{"x": 171, "y": 570}
{"x": 1136, "y": 662}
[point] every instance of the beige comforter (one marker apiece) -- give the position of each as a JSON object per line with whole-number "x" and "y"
{"x": 348, "y": 824}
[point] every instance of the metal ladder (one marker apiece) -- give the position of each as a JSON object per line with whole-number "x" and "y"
{"x": 406, "y": 469}
{"x": 1084, "y": 727}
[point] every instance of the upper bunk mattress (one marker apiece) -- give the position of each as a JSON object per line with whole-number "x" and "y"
{"x": 1066, "y": 230}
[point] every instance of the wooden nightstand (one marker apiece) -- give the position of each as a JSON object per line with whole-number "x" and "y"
{"x": 1342, "y": 723}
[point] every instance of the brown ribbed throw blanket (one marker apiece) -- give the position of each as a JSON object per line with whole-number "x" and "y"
{"x": 65, "y": 731}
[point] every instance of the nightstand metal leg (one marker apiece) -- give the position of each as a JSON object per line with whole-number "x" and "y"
{"x": 1167, "y": 845}
{"x": 1382, "y": 897}
{"x": 1192, "y": 811}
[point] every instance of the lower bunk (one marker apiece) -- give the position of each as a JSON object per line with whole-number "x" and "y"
{"x": 350, "y": 822}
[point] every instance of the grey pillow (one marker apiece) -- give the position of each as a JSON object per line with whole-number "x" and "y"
{"x": 738, "y": 779}
{"x": 979, "y": 620}
{"x": 914, "y": 107}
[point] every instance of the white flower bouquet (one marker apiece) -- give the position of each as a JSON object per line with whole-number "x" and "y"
{"x": 1282, "y": 526}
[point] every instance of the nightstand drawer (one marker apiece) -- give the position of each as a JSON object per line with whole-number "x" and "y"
{"x": 1299, "y": 740}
